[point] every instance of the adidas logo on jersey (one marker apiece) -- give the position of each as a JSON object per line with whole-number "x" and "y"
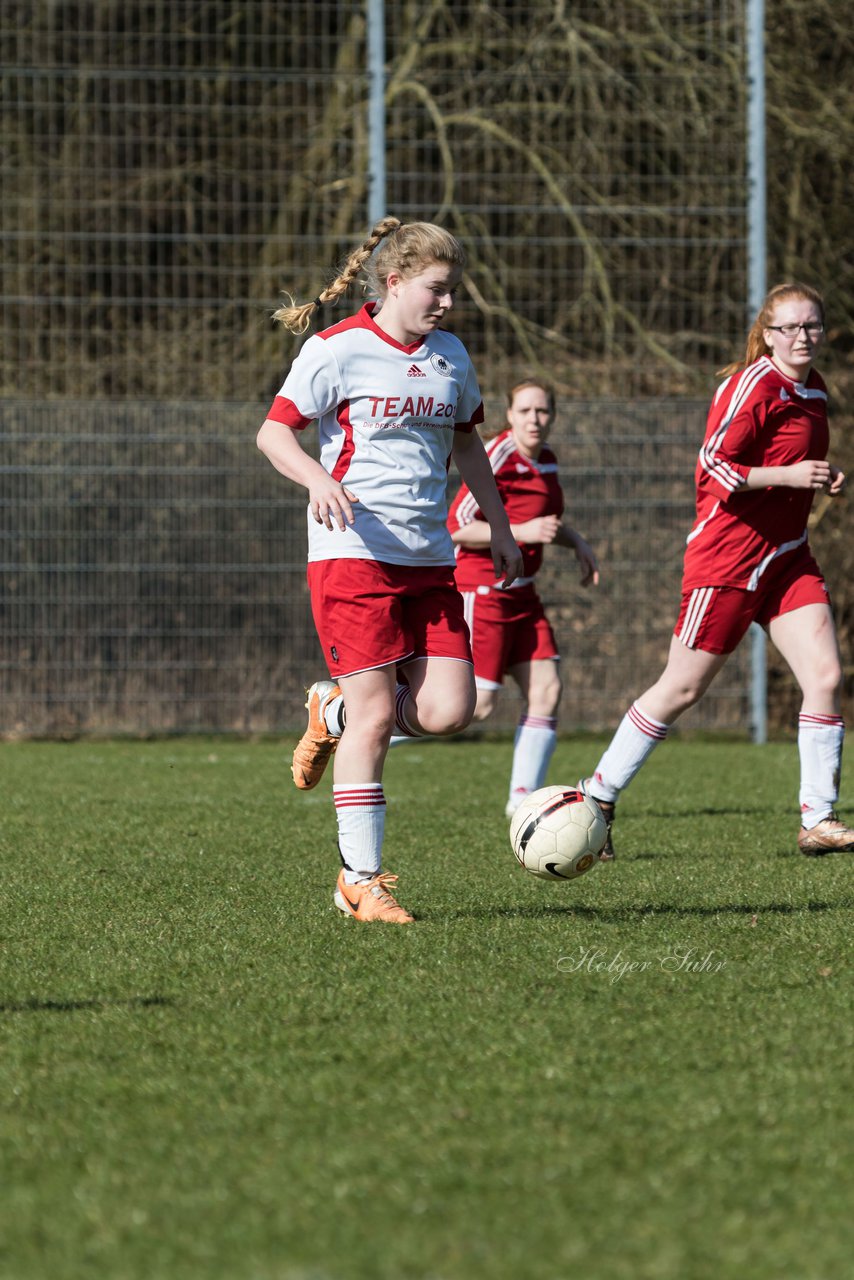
{"x": 414, "y": 372}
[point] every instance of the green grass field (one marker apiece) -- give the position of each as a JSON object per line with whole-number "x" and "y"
{"x": 208, "y": 1073}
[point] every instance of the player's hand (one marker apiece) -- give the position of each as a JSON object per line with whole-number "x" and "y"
{"x": 506, "y": 559}
{"x": 543, "y": 529}
{"x": 332, "y": 502}
{"x": 587, "y": 561}
{"x": 811, "y": 474}
{"x": 837, "y": 481}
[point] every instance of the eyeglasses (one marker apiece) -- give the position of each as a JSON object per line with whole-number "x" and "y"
{"x": 813, "y": 329}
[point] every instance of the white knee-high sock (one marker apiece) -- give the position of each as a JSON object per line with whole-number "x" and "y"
{"x": 360, "y": 810}
{"x": 335, "y": 718}
{"x": 820, "y": 739}
{"x": 402, "y": 703}
{"x": 636, "y": 737}
{"x": 533, "y": 748}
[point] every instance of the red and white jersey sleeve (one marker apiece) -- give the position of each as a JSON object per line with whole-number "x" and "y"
{"x": 386, "y": 416}
{"x": 758, "y": 418}
{"x": 528, "y": 487}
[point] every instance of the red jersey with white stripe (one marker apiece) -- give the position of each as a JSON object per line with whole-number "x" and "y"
{"x": 528, "y": 487}
{"x": 386, "y": 416}
{"x": 758, "y": 418}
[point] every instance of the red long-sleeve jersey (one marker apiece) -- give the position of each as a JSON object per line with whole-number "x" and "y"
{"x": 758, "y": 418}
{"x": 528, "y": 487}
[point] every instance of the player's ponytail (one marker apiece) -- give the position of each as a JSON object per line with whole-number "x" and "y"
{"x": 297, "y": 318}
{"x": 392, "y": 246}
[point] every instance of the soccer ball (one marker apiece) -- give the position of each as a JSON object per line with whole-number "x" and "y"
{"x": 557, "y": 833}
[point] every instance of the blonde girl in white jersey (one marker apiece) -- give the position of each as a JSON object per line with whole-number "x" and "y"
{"x": 394, "y": 396}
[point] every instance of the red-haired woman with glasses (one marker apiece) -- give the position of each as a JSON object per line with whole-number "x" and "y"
{"x": 748, "y": 559}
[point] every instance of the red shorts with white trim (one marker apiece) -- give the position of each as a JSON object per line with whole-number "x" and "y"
{"x": 715, "y": 619}
{"x": 507, "y": 627}
{"x": 369, "y": 614}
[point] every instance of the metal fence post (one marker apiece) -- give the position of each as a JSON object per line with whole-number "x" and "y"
{"x": 756, "y": 219}
{"x": 376, "y": 111}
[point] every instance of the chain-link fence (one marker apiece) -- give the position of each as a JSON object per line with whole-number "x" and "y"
{"x": 155, "y": 568}
{"x": 174, "y": 165}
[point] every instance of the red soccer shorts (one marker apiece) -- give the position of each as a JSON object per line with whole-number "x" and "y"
{"x": 369, "y": 614}
{"x": 715, "y": 619}
{"x": 507, "y": 627}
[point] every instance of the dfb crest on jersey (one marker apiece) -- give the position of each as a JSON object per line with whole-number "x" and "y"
{"x": 441, "y": 365}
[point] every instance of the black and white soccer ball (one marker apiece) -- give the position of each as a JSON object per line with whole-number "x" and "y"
{"x": 557, "y": 833}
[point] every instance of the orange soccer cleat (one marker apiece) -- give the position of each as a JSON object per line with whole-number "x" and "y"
{"x": 828, "y": 836}
{"x": 317, "y": 745}
{"x": 371, "y": 900}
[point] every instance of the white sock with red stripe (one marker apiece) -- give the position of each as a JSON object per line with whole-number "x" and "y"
{"x": 402, "y": 702}
{"x": 636, "y": 737}
{"x": 335, "y": 716}
{"x": 533, "y": 748}
{"x": 820, "y": 739}
{"x": 360, "y": 810}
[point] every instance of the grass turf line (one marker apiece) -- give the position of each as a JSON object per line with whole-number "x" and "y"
{"x": 207, "y": 1072}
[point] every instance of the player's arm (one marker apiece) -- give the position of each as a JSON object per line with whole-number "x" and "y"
{"x": 476, "y": 471}
{"x": 477, "y": 533}
{"x": 809, "y": 474}
{"x": 724, "y": 452}
{"x": 568, "y": 537}
{"x": 327, "y": 499}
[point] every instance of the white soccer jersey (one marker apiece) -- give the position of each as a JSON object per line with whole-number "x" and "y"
{"x": 386, "y": 417}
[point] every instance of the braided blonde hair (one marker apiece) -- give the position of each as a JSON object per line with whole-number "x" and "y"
{"x": 756, "y": 345}
{"x": 391, "y": 246}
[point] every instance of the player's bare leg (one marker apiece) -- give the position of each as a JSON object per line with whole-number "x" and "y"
{"x": 540, "y": 685}
{"x": 806, "y": 638}
{"x": 682, "y": 683}
{"x": 369, "y": 699}
{"x": 442, "y": 696}
{"x": 487, "y": 697}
